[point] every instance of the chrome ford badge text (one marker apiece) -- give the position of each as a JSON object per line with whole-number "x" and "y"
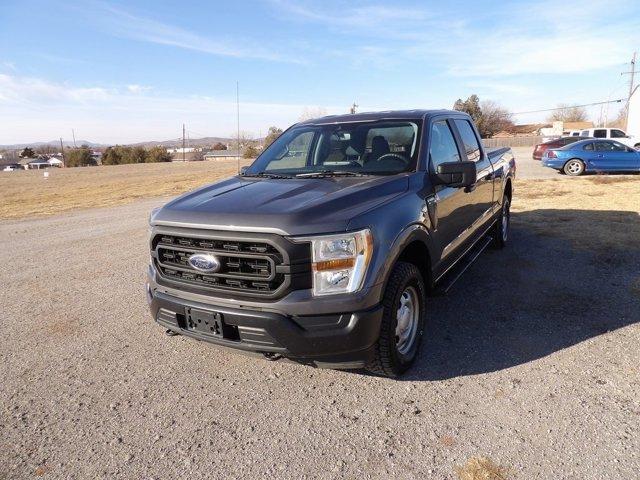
{"x": 204, "y": 262}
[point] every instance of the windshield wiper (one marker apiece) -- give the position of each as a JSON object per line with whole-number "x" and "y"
{"x": 329, "y": 173}
{"x": 266, "y": 175}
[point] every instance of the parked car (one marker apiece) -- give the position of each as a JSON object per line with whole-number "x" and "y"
{"x": 539, "y": 149}
{"x": 11, "y": 167}
{"x": 326, "y": 256}
{"x": 612, "y": 133}
{"x": 601, "y": 156}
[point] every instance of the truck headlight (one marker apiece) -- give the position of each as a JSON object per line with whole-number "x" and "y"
{"x": 340, "y": 261}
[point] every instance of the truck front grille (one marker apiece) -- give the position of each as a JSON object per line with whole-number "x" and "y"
{"x": 247, "y": 267}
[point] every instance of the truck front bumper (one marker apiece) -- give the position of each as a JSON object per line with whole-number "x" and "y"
{"x": 341, "y": 340}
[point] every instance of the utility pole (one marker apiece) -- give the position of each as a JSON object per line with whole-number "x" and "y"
{"x": 64, "y": 164}
{"x": 183, "y": 142}
{"x": 353, "y": 108}
{"x": 632, "y": 72}
{"x": 73, "y": 134}
{"x": 238, "y": 125}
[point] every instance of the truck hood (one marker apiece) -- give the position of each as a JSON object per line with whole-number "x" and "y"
{"x": 297, "y": 206}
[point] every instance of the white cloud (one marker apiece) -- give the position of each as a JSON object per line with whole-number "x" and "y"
{"x": 34, "y": 109}
{"x": 123, "y": 24}
{"x": 34, "y": 91}
{"x": 8, "y": 66}
{"x": 361, "y": 16}
{"x": 135, "y": 88}
{"x": 543, "y": 36}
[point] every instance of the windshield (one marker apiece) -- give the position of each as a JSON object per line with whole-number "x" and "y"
{"x": 374, "y": 148}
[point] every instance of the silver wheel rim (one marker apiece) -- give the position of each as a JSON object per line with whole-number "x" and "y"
{"x": 574, "y": 167}
{"x": 407, "y": 320}
{"x": 505, "y": 220}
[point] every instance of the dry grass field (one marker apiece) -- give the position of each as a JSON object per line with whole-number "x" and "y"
{"x": 555, "y": 206}
{"x": 29, "y": 193}
{"x": 594, "y": 212}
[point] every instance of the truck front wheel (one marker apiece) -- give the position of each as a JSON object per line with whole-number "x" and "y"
{"x": 402, "y": 322}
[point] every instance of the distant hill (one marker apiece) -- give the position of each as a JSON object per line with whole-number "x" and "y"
{"x": 51, "y": 143}
{"x": 192, "y": 142}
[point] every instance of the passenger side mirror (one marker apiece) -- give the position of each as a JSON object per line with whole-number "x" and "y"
{"x": 456, "y": 174}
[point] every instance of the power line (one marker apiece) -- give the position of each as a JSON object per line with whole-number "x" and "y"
{"x": 238, "y": 113}
{"x": 619, "y": 100}
{"x": 631, "y": 89}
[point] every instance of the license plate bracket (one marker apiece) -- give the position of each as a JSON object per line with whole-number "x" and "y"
{"x": 204, "y": 321}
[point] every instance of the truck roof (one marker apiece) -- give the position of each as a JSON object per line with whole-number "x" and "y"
{"x": 372, "y": 116}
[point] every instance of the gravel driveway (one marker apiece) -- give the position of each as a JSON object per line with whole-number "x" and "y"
{"x": 532, "y": 360}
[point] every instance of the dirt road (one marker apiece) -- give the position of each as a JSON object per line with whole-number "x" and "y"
{"x": 532, "y": 360}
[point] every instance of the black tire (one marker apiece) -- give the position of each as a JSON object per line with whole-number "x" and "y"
{"x": 388, "y": 360}
{"x": 502, "y": 228}
{"x": 574, "y": 167}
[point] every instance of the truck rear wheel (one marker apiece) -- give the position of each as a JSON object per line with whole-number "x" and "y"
{"x": 402, "y": 322}
{"x": 503, "y": 225}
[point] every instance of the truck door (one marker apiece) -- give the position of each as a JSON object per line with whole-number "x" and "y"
{"x": 480, "y": 198}
{"x": 450, "y": 212}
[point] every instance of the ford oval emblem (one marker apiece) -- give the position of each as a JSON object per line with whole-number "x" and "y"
{"x": 204, "y": 262}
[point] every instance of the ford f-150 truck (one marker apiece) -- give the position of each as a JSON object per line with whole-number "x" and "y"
{"x": 325, "y": 250}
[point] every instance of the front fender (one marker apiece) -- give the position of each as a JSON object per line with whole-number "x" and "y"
{"x": 394, "y": 226}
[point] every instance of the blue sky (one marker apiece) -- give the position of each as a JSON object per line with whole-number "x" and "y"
{"x": 125, "y": 71}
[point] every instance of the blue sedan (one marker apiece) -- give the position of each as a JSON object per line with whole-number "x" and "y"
{"x": 597, "y": 156}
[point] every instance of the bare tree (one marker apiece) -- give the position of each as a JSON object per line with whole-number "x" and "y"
{"x": 489, "y": 117}
{"x": 567, "y": 113}
{"x": 493, "y": 119}
{"x": 620, "y": 120}
{"x": 272, "y": 135}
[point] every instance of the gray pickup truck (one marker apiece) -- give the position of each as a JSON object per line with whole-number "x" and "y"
{"x": 325, "y": 250}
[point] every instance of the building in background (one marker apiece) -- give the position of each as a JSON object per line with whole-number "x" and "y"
{"x": 221, "y": 154}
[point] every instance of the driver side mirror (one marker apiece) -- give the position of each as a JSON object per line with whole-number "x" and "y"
{"x": 244, "y": 169}
{"x": 456, "y": 174}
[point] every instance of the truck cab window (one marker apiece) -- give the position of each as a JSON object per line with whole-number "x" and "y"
{"x": 443, "y": 146}
{"x": 617, "y": 134}
{"x": 600, "y": 133}
{"x": 469, "y": 139}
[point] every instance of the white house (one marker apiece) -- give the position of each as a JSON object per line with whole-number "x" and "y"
{"x": 180, "y": 150}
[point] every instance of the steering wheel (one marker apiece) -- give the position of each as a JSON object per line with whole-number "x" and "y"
{"x": 392, "y": 158}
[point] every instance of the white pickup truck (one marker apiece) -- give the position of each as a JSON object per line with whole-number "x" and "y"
{"x": 615, "y": 133}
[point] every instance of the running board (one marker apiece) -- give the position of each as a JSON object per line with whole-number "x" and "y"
{"x": 452, "y": 276}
